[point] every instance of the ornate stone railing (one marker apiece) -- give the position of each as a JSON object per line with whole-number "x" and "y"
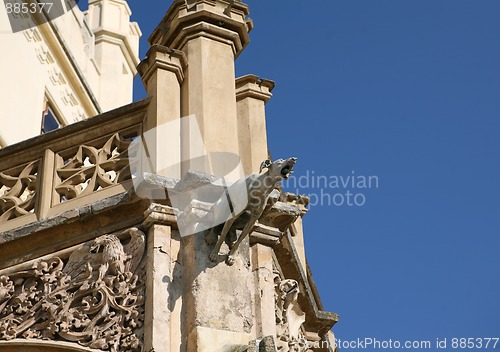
{"x": 76, "y": 165}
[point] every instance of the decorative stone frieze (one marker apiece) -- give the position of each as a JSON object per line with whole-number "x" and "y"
{"x": 94, "y": 298}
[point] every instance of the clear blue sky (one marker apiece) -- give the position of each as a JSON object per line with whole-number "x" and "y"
{"x": 408, "y": 91}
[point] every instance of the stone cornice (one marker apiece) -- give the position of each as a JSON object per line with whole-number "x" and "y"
{"x": 254, "y": 87}
{"x": 103, "y": 34}
{"x": 161, "y": 57}
{"x": 31, "y": 345}
{"x": 265, "y": 235}
{"x": 210, "y": 31}
{"x": 180, "y": 23}
{"x": 40, "y": 238}
{"x": 159, "y": 214}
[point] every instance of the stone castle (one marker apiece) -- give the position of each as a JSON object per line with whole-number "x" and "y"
{"x": 158, "y": 225}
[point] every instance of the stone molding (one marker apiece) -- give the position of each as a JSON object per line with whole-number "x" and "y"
{"x": 254, "y": 87}
{"x": 213, "y": 15}
{"x": 209, "y": 31}
{"x": 161, "y": 57}
{"x": 104, "y": 35}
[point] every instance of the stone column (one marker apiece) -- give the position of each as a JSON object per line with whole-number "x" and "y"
{"x": 159, "y": 276}
{"x": 163, "y": 73}
{"x": 217, "y": 298}
{"x": 211, "y": 34}
{"x": 252, "y": 93}
{"x": 164, "y": 319}
{"x": 262, "y": 263}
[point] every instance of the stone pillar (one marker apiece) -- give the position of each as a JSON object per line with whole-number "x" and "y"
{"x": 211, "y": 34}
{"x": 218, "y": 298}
{"x": 162, "y": 73}
{"x": 159, "y": 276}
{"x": 116, "y": 50}
{"x": 252, "y": 94}
{"x": 262, "y": 262}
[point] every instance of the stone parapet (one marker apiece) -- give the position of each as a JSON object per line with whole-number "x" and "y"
{"x": 67, "y": 168}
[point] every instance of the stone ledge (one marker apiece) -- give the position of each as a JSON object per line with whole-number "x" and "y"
{"x": 113, "y": 213}
{"x": 72, "y": 227}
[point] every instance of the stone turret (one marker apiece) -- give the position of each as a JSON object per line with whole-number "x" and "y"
{"x": 116, "y": 50}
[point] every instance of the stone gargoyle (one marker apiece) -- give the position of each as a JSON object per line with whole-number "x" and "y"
{"x": 258, "y": 188}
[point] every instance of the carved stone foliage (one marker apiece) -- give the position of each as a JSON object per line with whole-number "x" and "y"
{"x": 18, "y": 191}
{"x": 95, "y": 299}
{"x": 94, "y": 167}
{"x": 289, "y": 317}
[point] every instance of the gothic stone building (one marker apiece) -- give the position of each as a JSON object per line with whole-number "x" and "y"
{"x": 107, "y": 225}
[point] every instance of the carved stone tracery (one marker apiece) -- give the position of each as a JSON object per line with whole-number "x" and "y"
{"x": 18, "y": 191}
{"x": 95, "y": 299}
{"x": 92, "y": 167}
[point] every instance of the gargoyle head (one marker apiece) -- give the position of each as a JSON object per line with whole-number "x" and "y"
{"x": 279, "y": 168}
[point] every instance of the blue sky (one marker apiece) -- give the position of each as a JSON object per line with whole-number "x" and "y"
{"x": 407, "y": 91}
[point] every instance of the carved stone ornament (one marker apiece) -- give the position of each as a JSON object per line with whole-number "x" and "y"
{"x": 18, "y": 191}
{"x": 95, "y": 299}
{"x": 289, "y": 317}
{"x": 93, "y": 168}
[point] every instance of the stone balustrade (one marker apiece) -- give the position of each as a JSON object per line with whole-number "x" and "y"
{"x": 79, "y": 164}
